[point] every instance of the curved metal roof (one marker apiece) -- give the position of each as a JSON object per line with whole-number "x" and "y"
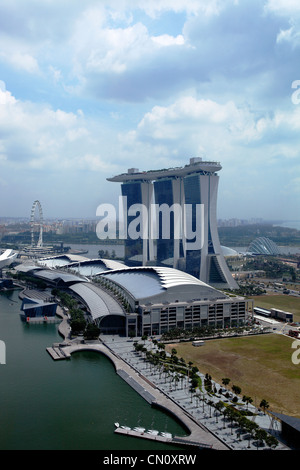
{"x": 171, "y": 277}
{"x": 56, "y": 276}
{"x": 7, "y": 257}
{"x": 92, "y": 267}
{"x": 98, "y": 301}
{"x": 149, "y": 281}
{"x": 67, "y": 257}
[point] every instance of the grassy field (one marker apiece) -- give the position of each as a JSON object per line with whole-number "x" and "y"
{"x": 280, "y": 301}
{"x": 261, "y": 365}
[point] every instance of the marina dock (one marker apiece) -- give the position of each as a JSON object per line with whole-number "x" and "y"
{"x": 179, "y": 441}
{"x": 131, "y": 432}
{"x": 57, "y": 353}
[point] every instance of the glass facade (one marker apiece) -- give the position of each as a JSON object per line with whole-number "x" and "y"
{"x": 133, "y": 248}
{"x": 158, "y": 320}
{"x": 263, "y": 246}
{"x": 193, "y": 196}
{"x": 165, "y": 247}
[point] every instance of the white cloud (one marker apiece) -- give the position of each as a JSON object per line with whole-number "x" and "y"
{"x": 291, "y": 35}
{"x": 102, "y": 48}
{"x": 213, "y": 7}
{"x": 191, "y": 116}
{"x": 20, "y": 60}
{"x": 283, "y": 7}
{"x": 38, "y": 136}
{"x": 157, "y": 82}
{"x": 167, "y": 40}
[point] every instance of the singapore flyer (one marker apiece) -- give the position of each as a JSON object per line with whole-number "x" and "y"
{"x": 39, "y": 223}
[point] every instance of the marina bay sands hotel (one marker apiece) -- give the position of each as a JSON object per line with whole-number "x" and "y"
{"x": 183, "y": 190}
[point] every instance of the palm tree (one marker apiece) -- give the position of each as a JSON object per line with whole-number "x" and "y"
{"x": 251, "y": 427}
{"x": 225, "y": 381}
{"x": 271, "y": 441}
{"x": 144, "y": 338}
{"x": 166, "y": 371}
{"x": 219, "y": 406}
{"x": 247, "y": 400}
{"x": 182, "y": 377}
{"x": 210, "y": 403}
{"x": 236, "y": 389}
{"x": 259, "y": 435}
{"x": 229, "y": 413}
{"x": 264, "y": 404}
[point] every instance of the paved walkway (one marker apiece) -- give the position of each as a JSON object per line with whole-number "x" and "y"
{"x": 198, "y": 433}
{"x": 193, "y": 405}
{"x": 206, "y": 426}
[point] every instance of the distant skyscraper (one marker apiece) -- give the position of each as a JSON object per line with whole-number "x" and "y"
{"x": 176, "y": 189}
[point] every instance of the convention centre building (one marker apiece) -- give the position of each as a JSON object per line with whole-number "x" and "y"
{"x": 144, "y": 300}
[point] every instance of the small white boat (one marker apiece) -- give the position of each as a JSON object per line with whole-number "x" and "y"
{"x": 166, "y": 434}
{"x": 153, "y": 432}
{"x": 117, "y": 425}
{"x": 139, "y": 429}
{"x": 126, "y": 428}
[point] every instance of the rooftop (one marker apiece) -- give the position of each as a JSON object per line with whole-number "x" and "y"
{"x": 7, "y": 257}
{"x": 155, "y": 281}
{"x": 196, "y": 165}
{"x": 98, "y": 301}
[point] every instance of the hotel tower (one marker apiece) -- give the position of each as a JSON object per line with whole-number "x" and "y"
{"x": 176, "y": 194}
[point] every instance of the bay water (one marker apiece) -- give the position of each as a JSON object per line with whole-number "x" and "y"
{"x": 68, "y": 404}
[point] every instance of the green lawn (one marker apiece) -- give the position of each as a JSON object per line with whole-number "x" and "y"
{"x": 261, "y": 365}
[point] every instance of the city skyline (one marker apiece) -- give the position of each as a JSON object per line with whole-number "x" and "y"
{"x": 89, "y": 90}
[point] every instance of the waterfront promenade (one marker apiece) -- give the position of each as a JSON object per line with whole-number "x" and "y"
{"x": 206, "y": 428}
{"x": 198, "y": 435}
{"x": 199, "y": 407}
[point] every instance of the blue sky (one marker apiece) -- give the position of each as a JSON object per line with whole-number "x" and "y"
{"x": 90, "y": 89}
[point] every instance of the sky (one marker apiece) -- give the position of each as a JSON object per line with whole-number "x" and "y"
{"x": 91, "y": 88}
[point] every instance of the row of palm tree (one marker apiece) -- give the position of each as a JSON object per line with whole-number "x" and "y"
{"x": 243, "y": 424}
{"x": 177, "y": 371}
{"x": 203, "y": 331}
{"x": 246, "y": 399}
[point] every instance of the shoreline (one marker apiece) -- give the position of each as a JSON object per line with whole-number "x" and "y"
{"x": 198, "y": 434}
{"x": 204, "y": 432}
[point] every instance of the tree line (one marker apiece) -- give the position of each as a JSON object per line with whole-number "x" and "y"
{"x": 78, "y": 322}
{"x": 172, "y": 364}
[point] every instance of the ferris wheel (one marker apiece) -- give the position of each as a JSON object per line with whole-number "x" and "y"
{"x": 39, "y": 223}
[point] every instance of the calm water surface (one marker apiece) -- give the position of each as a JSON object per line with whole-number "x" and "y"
{"x": 70, "y": 404}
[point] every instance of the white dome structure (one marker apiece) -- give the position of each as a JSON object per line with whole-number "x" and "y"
{"x": 263, "y": 246}
{"x": 7, "y": 257}
{"x": 229, "y": 251}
